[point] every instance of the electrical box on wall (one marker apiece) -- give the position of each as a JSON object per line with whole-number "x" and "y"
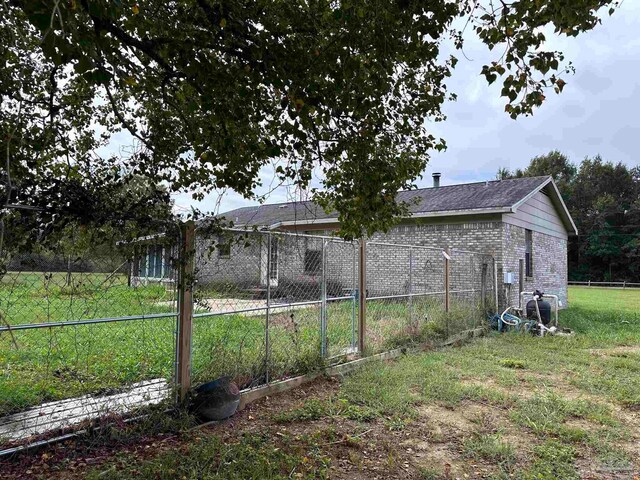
{"x": 508, "y": 277}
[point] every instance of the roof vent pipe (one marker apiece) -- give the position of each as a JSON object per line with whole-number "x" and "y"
{"x": 436, "y": 180}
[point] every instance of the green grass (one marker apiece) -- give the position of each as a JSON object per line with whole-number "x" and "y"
{"x": 50, "y": 364}
{"x": 491, "y": 447}
{"x": 253, "y": 457}
{"x": 599, "y": 299}
{"x": 548, "y": 403}
{"x": 552, "y": 460}
{"x": 45, "y": 297}
{"x": 466, "y": 374}
{"x": 57, "y": 363}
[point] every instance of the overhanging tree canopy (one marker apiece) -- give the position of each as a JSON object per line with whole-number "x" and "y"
{"x": 213, "y": 91}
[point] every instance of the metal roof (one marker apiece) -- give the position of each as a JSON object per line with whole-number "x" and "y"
{"x": 495, "y": 196}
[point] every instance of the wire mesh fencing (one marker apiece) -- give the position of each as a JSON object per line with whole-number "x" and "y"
{"x": 418, "y": 293}
{"x": 97, "y": 332}
{"x": 270, "y": 305}
{"x": 84, "y": 332}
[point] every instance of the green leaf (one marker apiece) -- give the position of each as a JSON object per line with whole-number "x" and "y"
{"x": 84, "y": 64}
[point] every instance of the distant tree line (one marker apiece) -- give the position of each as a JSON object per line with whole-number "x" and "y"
{"x": 604, "y": 201}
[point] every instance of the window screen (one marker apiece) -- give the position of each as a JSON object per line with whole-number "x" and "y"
{"x": 273, "y": 270}
{"x": 158, "y": 260}
{"x": 224, "y": 247}
{"x": 312, "y": 261}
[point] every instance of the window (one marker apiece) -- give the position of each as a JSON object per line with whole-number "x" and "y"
{"x": 156, "y": 261}
{"x": 153, "y": 262}
{"x": 141, "y": 261}
{"x": 528, "y": 253}
{"x": 312, "y": 255}
{"x": 273, "y": 270}
{"x": 224, "y": 248}
{"x": 312, "y": 262}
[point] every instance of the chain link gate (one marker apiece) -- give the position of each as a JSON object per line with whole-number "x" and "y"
{"x": 271, "y": 305}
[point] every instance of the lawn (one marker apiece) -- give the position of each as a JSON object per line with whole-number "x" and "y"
{"x": 501, "y": 407}
{"x": 49, "y": 364}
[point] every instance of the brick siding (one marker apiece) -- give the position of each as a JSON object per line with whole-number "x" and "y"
{"x": 388, "y": 266}
{"x": 549, "y": 264}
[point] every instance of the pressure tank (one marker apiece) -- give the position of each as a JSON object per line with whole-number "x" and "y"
{"x": 545, "y": 311}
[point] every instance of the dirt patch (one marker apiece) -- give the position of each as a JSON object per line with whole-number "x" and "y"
{"x": 621, "y": 351}
{"x": 581, "y": 424}
{"x": 446, "y": 424}
{"x": 588, "y": 471}
{"x": 442, "y": 458}
{"x": 490, "y": 383}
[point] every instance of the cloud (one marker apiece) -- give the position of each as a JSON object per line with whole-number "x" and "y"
{"x": 596, "y": 113}
{"x": 593, "y": 83}
{"x": 573, "y": 111}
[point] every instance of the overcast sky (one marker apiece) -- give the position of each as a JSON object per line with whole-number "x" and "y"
{"x": 598, "y": 112}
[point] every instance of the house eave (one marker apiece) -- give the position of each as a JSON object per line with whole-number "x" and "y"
{"x": 456, "y": 213}
{"x": 443, "y": 213}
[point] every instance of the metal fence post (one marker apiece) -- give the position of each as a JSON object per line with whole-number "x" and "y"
{"x": 446, "y": 279}
{"x": 354, "y": 290}
{"x": 185, "y": 309}
{"x": 362, "y": 295}
{"x": 495, "y": 284}
{"x": 323, "y": 301}
{"x": 410, "y": 286}
{"x": 268, "y": 311}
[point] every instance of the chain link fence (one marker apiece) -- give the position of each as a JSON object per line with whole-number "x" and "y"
{"x": 419, "y": 293}
{"x": 84, "y": 333}
{"x": 271, "y": 305}
{"x": 104, "y": 332}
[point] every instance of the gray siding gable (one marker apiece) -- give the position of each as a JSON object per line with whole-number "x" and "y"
{"x": 538, "y": 214}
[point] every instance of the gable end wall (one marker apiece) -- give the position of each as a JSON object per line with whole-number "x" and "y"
{"x": 550, "y": 240}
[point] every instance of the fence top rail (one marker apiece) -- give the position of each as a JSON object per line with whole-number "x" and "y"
{"x": 403, "y": 245}
{"x": 572, "y": 282}
{"x": 279, "y": 233}
{"x": 31, "y": 326}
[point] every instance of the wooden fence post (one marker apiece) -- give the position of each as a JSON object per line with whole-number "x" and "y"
{"x": 185, "y": 308}
{"x": 483, "y": 287}
{"x": 362, "y": 295}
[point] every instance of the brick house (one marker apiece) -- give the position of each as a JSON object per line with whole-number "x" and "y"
{"x": 522, "y": 223}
